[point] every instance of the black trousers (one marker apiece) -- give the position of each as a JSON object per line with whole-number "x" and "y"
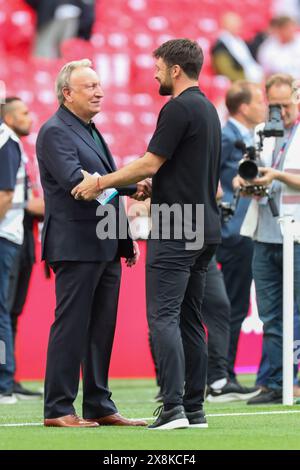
{"x": 216, "y": 316}
{"x": 175, "y": 282}
{"x": 82, "y": 335}
{"x": 236, "y": 264}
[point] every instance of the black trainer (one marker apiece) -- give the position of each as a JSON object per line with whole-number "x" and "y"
{"x": 159, "y": 397}
{"x": 172, "y": 419}
{"x": 232, "y": 391}
{"x": 23, "y": 393}
{"x": 254, "y": 388}
{"x": 267, "y": 397}
{"x": 196, "y": 419}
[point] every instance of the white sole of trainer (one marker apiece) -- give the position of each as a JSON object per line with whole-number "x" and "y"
{"x": 176, "y": 424}
{"x": 27, "y": 397}
{"x": 203, "y": 426}
{"x": 232, "y": 397}
{"x": 8, "y": 400}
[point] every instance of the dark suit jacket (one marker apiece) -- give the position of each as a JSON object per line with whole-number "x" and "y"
{"x": 230, "y": 159}
{"x": 64, "y": 147}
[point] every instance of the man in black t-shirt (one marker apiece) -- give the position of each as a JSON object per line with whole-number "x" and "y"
{"x": 183, "y": 158}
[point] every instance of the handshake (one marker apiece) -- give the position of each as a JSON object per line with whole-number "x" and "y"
{"x": 92, "y": 186}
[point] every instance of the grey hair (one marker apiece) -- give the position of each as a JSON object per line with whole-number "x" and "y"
{"x": 63, "y": 77}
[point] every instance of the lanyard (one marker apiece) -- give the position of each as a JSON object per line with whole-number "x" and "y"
{"x": 277, "y": 161}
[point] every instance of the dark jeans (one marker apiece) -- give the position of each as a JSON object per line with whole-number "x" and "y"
{"x": 18, "y": 288}
{"x": 268, "y": 277}
{"x": 216, "y": 316}
{"x": 264, "y": 366}
{"x": 175, "y": 282}
{"x": 8, "y": 253}
{"x": 236, "y": 263}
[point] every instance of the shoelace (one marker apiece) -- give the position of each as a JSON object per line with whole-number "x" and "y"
{"x": 76, "y": 417}
{"x": 158, "y": 411}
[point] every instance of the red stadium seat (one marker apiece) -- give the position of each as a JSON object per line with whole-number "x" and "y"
{"x": 124, "y": 35}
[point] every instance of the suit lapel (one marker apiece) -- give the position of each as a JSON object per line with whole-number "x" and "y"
{"x": 87, "y": 138}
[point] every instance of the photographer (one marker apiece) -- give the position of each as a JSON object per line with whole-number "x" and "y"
{"x": 246, "y": 106}
{"x": 280, "y": 172}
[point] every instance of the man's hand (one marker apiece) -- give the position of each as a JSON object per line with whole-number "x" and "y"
{"x": 132, "y": 261}
{"x": 6, "y": 198}
{"x": 268, "y": 175}
{"x": 36, "y": 206}
{"x": 87, "y": 189}
{"x": 238, "y": 182}
{"x": 144, "y": 190}
{"x": 255, "y": 188}
{"x": 241, "y": 185}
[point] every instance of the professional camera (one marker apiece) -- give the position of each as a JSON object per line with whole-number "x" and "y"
{"x": 274, "y": 126}
{"x": 248, "y": 167}
{"x": 261, "y": 191}
{"x": 227, "y": 209}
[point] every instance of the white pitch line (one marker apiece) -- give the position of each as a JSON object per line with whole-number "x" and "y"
{"x": 256, "y": 413}
{"x": 12, "y": 425}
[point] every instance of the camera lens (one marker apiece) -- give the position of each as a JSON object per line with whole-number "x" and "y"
{"x": 248, "y": 169}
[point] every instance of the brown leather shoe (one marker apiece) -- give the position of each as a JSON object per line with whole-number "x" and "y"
{"x": 118, "y": 420}
{"x": 70, "y": 421}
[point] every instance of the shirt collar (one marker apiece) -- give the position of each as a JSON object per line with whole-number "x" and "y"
{"x": 87, "y": 125}
{"x": 244, "y": 131}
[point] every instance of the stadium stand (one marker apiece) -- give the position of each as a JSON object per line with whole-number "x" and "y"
{"x": 124, "y": 36}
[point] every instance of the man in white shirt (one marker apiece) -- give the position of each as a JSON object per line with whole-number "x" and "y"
{"x": 280, "y": 52}
{"x": 280, "y": 172}
{"x": 12, "y": 200}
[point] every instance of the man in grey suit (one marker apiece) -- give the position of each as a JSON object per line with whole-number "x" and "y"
{"x": 87, "y": 268}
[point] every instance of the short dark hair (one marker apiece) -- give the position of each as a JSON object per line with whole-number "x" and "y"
{"x": 5, "y": 107}
{"x": 183, "y": 52}
{"x": 240, "y": 92}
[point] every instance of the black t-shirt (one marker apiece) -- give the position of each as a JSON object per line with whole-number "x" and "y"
{"x": 188, "y": 135}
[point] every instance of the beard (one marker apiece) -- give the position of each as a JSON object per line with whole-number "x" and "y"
{"x": 22, "y": 132}
{"x": 165, "y": 89}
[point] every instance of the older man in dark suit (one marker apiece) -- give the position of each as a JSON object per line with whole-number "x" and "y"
{"x": 87, "y": 268}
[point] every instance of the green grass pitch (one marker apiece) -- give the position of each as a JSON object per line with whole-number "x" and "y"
{"x": 134, "y": 398}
